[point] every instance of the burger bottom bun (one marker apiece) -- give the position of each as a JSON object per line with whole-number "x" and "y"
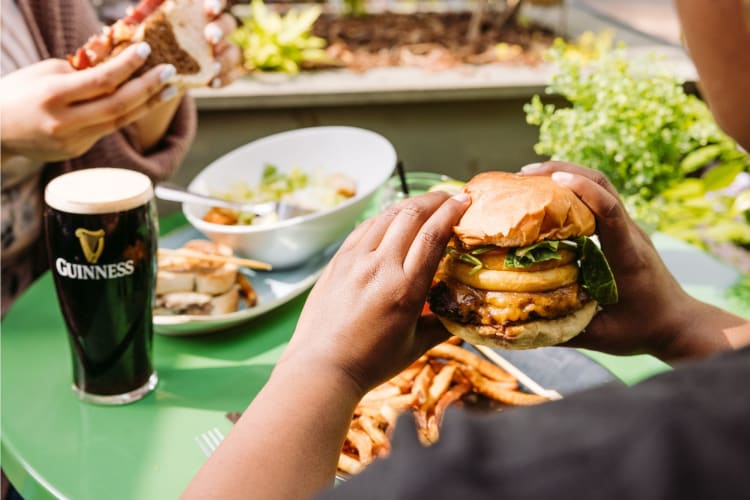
{"x": 538, "y": 333}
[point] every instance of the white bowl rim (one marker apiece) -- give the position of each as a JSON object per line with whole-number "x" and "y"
{"x": 245, "y": 228}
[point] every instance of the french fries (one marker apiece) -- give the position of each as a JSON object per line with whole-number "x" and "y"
{"x": 442, "y": 377}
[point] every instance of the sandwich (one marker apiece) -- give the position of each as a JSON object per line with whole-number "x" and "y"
{"x": 173, "y": 29}
{"x": 522, "y": 269}
{"x": 187, "y": 284}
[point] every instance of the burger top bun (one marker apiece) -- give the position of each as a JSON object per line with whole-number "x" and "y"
{"x": 510, "y": 210}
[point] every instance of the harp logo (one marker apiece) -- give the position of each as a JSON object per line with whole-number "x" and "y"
{"x": 92, "y": 243}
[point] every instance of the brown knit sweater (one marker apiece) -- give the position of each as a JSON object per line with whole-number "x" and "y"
{"x": 58, "y": 28}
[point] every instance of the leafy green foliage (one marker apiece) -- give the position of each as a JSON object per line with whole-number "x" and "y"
{"x": 660, "y": 147}
{"x": 271, "y": 42}
{"x": 355, "y": 7}
{"x": 631, "y": 120}
{"x": 739, "y": 293}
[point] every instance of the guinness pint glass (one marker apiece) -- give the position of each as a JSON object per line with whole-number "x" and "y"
{"x": 101, "y": 235}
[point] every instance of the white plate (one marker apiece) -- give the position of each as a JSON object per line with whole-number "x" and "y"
{"x": 274, "y": 288}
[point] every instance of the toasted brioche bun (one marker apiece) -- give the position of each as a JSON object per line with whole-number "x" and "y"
{"x": 510, "y": 210}
{"x": 529, "y": 335}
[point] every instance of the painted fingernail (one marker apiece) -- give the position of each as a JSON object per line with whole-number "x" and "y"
{"x": 167, "y": 73}
{"x": 531, "y": 167}
{"x": 460, "y": 197}
{"x": 562, "y": 177}
{"x": 216, "y": 83}
{"x": 216, "y": 67}
{"x": 213, "y": 33}
{"x": 215, "y": 6}
{"x": 143, "y": 49}
{"x": 168, "y": 93}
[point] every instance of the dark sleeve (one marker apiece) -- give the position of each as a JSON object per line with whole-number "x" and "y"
{"x": 683, "y": 434}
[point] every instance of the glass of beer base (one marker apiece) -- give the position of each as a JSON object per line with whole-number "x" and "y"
{"x": 101, "y": 235}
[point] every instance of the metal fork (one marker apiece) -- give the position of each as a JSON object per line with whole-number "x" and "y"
{"x": 283, "y": 210}
{"x": 209, "y": 441}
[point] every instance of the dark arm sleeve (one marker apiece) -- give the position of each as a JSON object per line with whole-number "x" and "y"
{"x": 683, "y": 434}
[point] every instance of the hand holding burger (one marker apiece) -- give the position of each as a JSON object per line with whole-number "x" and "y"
{"x": 654, "y": 314}
{"x": 521, "y": 270}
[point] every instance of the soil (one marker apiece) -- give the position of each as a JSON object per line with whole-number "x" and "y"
{"x": 432, "y": 40}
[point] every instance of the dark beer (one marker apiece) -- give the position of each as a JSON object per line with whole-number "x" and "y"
{"x": 101, "y": 241}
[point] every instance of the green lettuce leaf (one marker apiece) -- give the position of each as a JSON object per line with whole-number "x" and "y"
{"x": 470, "y": 257}
{"x": 596, "y": 276}
{"x": 538, "y": 252}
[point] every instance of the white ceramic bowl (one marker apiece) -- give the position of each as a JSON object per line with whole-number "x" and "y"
{"x": 363, "y": 155}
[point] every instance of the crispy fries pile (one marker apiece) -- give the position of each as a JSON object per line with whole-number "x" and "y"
{"x": 444, "y": 375}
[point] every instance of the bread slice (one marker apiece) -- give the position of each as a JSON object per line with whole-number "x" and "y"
{"x": 173, "y": 29}
{"x": 170, "y": 281}
{"x": 216, "y": 281}
{"x": 226, "y": 302}
{"x": 175, "y": 34}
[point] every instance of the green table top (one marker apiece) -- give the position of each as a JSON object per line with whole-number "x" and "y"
{"x": 54, "y": 445}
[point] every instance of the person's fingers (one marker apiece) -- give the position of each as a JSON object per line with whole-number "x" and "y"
{"x": 48, "y": 66}
{"x": 133, "y": 95}
{"x": 225, "y": 78}
{"x": 407, "y": 224}
{"x": 356, "y": 235}
{"x": 429, "y": 244}
{"x": 214, "y": 8}
{"x": 117, "y": 122}
{"x": 105, "y": 78}
{"x": 548, "y": 167}
{"x": 228, "y": 60}
{"x": 219, "y": 28}
{"x": 611, "y": 228}
{"x": 613, "y": 223}
{"x": 374, "y": 235}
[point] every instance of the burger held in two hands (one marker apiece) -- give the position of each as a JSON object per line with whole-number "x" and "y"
{"x": 521, "y": 270}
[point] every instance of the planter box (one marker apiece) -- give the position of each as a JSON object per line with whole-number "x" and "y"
{"x": 456, "y": 122}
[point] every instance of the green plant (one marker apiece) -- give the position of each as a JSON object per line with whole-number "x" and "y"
{"x": 631, "y": 120}
{"x": 355, "y": 7}
{"x": 271, "y": 42}
{"x": 660, "y": 147}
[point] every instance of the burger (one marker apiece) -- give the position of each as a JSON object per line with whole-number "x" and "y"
{"x": 173, "y": 29}
{"x": 521, "y": 270}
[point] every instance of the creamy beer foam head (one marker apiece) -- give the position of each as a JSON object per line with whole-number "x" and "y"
{"x": 98, "y": 191}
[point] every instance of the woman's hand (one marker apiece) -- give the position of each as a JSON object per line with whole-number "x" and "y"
{"x": 51, "y": 112}
{"x": 361, "y": 316}
{"x": 654, "y": 314}
{"x": 228, "y": 56}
